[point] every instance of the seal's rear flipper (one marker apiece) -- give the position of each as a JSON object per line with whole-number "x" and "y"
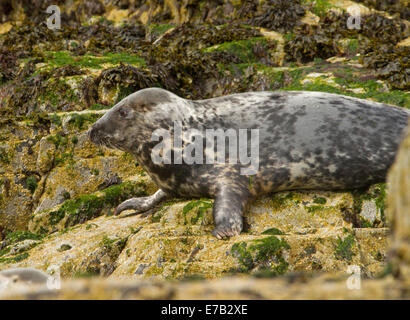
{"x": 142, "y": 204}
{"x": 230, "y": 203}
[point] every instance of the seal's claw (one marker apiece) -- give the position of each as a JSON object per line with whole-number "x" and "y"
{"x": 141, "y": 204}
{"x": 225, "y": 232}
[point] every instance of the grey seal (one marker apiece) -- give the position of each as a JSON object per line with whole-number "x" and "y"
{"x": 307, "y": 140}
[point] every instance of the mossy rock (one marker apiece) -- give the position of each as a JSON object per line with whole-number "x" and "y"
{"x": 85, "y": 207}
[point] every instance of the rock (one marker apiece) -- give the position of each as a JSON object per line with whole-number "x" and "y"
{"x": 16, "y": 203}
{"x": 228, "y": 288}
{"x": 22, "y": 246}
{"x": 83, "y": 208}
{"x": 302, "y": 231}
{"x": 45, "y": 157}
{"x": 357, "y": 90}
{"x": 404, "y": 43}
{"x": 399, "y": 210}
{"x": 5, "y": 27}
{"x": 60, "y": 195}
{"x": 336, "y": 59}
{"x": 320, "y": 78}
{"x": 370, "y": 212}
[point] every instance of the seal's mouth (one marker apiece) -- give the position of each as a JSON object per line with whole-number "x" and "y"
{"x": 102, "y": 140}
{"x": 94, "y": 136}
{"x": 97, "y": 138}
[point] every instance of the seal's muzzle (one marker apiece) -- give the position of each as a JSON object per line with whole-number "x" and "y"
{"x": 94, "y": 134}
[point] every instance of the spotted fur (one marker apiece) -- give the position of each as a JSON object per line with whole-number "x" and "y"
{"x": 308, "y": 140}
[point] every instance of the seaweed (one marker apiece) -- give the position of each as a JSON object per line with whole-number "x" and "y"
{"x": 179, "y": 61}
{"x": 279, "y": 15}
{"x": 391, "y": 63}
{"x": 309, "y": 43}
{"x": 8, "y": 65}
{"x": 394, "y": 7}
{"x": 127, "y": 77}
{"x": 67, "y": 70}
{"x": 374, "y": 26}
{"x": 102, "y": 35}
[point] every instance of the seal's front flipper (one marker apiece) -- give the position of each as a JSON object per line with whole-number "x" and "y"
{"x": 230, "y": 203}
{"x": 141, "y": 204}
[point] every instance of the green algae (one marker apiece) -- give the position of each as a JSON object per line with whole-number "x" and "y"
{"x": 4, "y": 157}
{"x": 79, "y": 120}
{"x": 115, "y": 194}
{"x": 21, "y": 235}
{"x": 31, "y": 183}
{"x": 279, "y": 79}
{"x": 280, "y": 200}
{"x": 5, "y": 251}
{"x": 156, "y": 216}
{"x": 353, "y": 46}
{"x": 344, "y": 248}
{"x": 89, "y": 206}
{"x": 63, "y": 58}
{"x": 318, "y": 7}
{"x": 58, "y": 140}
{"x": 272, "y": 231}
{"x": 264, "y": 255}
{"x": 201, "y": 207}
{"x": 55, "y": 119}
{"x": 378, "y": 194}
{"x": 319, "y": 200}
{"x": 395, "y": 97}
{"x": 156, "y": 30}
{"x": 15, "y": 259}
{"x": 381, "y": 199}
{"x": 86, "y": 274}
{"x": 313, "y": 209}
{"x": 57, "y": 93}
{"x": 99, "y": 106}
{"x": 244, "y": 256}
{"x": 107, "y": 242}
{"x": 64, "y": 247}
{"x": 85, "y": 207}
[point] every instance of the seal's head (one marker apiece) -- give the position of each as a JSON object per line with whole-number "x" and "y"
{"x": 132, "y": 119}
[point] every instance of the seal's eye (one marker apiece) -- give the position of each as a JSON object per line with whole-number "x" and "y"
{"x": 123, "y": 112}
